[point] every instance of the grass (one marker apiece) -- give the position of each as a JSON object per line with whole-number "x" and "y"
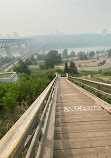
{"x": 99, "y": 76}
{"x": 7, "y": 75}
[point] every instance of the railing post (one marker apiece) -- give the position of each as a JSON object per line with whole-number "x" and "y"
{"x": 97, "y": 94}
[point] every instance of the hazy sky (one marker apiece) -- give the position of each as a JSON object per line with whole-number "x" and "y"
{"x": 33, "y": 17}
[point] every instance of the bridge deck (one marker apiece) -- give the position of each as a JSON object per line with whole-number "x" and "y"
{"x": 82, "y": 127}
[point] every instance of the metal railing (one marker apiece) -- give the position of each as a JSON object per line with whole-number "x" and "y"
{"x": 13, "y": 142}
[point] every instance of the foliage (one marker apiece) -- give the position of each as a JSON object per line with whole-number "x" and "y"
{"x": 91, "y": 54}
{"x": 73, "y": 54}
{"x": 40, "y": 56}
{"x": 42, "y": 66}
{"x": 64, "y": 54}
{"x": 21, "y": 68}
{"x": 26, "y": 89}
{"x": 28, "y": 62}
{"x": 6, "y": 59}
{"x": 66, "y": 70}
{"x": 52, "y": 58}
{"x": 105, "y": 72}
{"x": 109, "y": 53}
{"x": 72, "y": 68}
{"x": 58, "y": 70}
{"x": 9, "y": 101}
{"x": 82, "y": 56}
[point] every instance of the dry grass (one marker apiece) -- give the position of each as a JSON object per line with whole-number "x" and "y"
{"x": 87, "y": 63}
{"x": 98, "y": 78}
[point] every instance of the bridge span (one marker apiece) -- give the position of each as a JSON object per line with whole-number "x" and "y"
{"x": 7, "y": 43}
{"x": 73, "y": 124}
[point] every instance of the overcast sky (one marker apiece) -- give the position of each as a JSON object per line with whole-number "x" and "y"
{"x": 35, "y": 17}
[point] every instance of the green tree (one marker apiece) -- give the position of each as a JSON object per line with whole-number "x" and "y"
{"x": 21, "y": 68}
{"x": 52, "y": 58}
{"x": 59, "y": 70}
{"x": 109, "y": 53}
{"x": 40, "y": 56}
{"x": 66, "y": 70}
{"x": 73, "y": 54}
{"x": 91, "y": 54}
{"x": 82, "y": 56}
{"x": 42, "y": 66}
{"x": 72, "y": 68}
{"x": 64, "y": 54}
{"x": 28, "y": 62}
{"x": 9, "y": 101}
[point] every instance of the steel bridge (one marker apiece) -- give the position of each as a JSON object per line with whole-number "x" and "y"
{"x": 7, "y": 43}
{"x": 12, "y": 42}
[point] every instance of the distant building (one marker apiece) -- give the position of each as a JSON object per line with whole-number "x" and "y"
{"x": 104, "y": 31}
{"x": 15, "y": 35}
{"x": 9, "y": 36}
{"x": 57, "y": 32}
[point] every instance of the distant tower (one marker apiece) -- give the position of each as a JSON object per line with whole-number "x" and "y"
{"x": 9, "y": 36}
{"x": 104, "y": 31}
{"x": 57, "y": 32}
{"x": 15, "y": 34}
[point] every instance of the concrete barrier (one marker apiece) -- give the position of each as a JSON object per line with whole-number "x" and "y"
{"x": 13, "y": 78}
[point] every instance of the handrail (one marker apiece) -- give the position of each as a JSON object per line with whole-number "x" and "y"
{"x": 93, "y": 82}
{"x": 96, "y": 90}
{"x": 12, "y": 143}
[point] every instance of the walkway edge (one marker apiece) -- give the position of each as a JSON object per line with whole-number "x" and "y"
{"x": 99, "y": 101}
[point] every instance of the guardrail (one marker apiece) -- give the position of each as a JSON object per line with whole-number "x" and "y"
{"x": 17, "y": 137}
{"x": 96, "y": 90}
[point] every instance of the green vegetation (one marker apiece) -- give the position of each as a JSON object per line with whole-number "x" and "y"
{"x": 82, "y": 56}
{"x": 103, "y": 75}
{"x": 109, "y": 53}
{"x": 72, "y": 54}
{"x": 21, "y": 68}
{"x": 40, "y": 56}
{"x": 27, "y": 88}
{"x": 66, "y": 68}
{"x": 15, "y": 98}
{"x": 64, "y": 54}
{"x": 57, "y": 69}
{"x": 105, "y": 72}
{"x": 100, "y": 88}
{"x": 6, "y": 75}
{"x": 6, "y": 59}
{"x": 72, "y": 69}
{"x": 52, "y": 58}
{"x": 91, "y": 54}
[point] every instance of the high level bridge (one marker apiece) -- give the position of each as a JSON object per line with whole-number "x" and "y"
{"x": 7, "y": 43}
{"x": 65, "y": 121}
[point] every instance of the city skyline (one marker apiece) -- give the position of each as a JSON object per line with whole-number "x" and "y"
{"x": 38, "y": 17}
